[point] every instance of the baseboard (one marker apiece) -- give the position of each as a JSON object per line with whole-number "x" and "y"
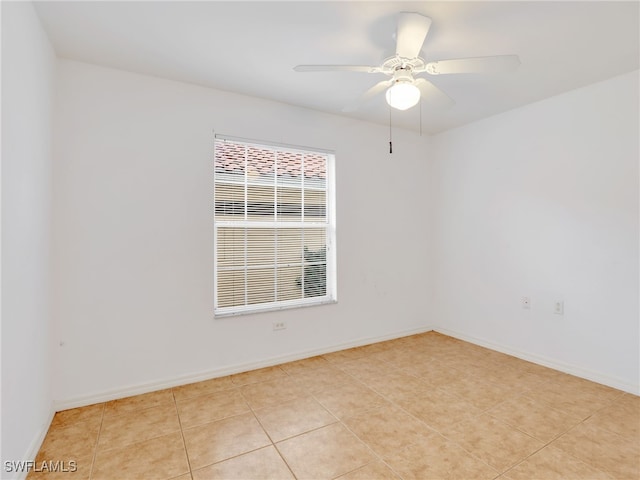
{"x": 546, "y": 362}
{"x": 221, "y": 372}
{"x": 33, "y": 449}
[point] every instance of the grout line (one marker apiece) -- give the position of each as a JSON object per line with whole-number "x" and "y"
{"x": 230, "y": 458}
{"x": 184, "y": 443}
{"x": 138, "y": 409}
{"x": 95, "y": 448}
{"x": 293, "y": 474}
{"x": 305, "y": 432}
{"x": 284, "y": 460}
{"x": 273, "y": 444}
{"x": 136, "y": 442}
{"x": 484, "y": 462}
{"x": 386, "y": 398}
{"x": 197, "y": 395}
{"x": 376, "y": 456}
{"x": 251, "y": 410}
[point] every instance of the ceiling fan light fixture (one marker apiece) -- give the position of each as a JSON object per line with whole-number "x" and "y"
{"x": 402, "y": 95}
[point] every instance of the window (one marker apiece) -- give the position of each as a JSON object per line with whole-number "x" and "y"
{"x": 274, "y": 227}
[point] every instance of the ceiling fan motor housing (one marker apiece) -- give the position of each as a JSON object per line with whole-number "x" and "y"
{"x": 397, "y": 63}
{"x": 403, "y": 75}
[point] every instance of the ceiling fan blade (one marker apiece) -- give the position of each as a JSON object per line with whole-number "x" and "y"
{"x": 411, "y": 31}
{"x": 433, "y": 94}
{"x": 495, "y": 64}
{"x": 336, "y": 68}
{"x": 368, "y": 95}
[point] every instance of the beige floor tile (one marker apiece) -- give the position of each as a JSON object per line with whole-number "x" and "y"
{"x": 366, "y": 368}
{"x": 69, "y": 442}
{"x": 416, "y": 344}
{"x": 372, "y": 471}
{"x": 386, "y": 353}
{"x": 433, "y": 372}
{"x": 423, "y": 406}
{"x": 260, "y": 375}
{"x": 348, "y": 355}
{"x": 534, "y": 418}
{"x": 483, "y": 373}
{"x": 438, "y": 409}
{"x": 481, "y": 353}
{"x": 493, "y": 442}
{"x": 223, "y": 439}
{"x": 436, "y": 458}
{"x": 515, "y": 369}
{"x": 386, "y": 345}
{"x": 621, "y": 417}
{"x": 273, "y": 392}
{"x": 406, "y": 358}
{"x": 205, "y": 387}
{"x": 122, "y": 430}
{"x": 293, "y": 418}
{"x": 630, "y": 400}
{"x": 138, "y": 402}
{"x": 398, "y": 358}
{"x": 387, "y": 429}
{"x": 160, "y": 458}
{"x": 263, "y": 464}
{"x": 574, "y": 395}
{"x": 322, "y": 379}
{"x": 544, "y": 372}
{"x": 602, "y": 450}
{"x": 396, "y": 383}
{"x": 480, "y": 394}
{"x": 460, "y": 361}
{"x": 305, "y": 365}
{"x": 77, "y": 468}
{"x": 91, "y": 413}
{"x": 499, "y": 358}
{"x": 208, "y": 408}
{"x": 324, "y": 453}
{"x": 551, "y": 463}
{"x": 349, "y": 399}
{"x": 519, "y": 380}
{"x": 372, "y": 348}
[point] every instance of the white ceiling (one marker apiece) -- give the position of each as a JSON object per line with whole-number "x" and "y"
{"x": 251, "y": 48}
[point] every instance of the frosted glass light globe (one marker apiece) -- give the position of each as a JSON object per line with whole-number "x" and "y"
{"x": 402, "y": 95}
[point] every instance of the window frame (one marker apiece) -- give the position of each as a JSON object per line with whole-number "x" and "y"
{"x": 329, "y": 227}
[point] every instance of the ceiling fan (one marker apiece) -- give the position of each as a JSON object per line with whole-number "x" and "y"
{"x": 403, "y": 89}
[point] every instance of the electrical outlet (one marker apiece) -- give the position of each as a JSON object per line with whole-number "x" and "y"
{"x": 279, "y": 325}
{"x": 558, "y": 307}
{"x": 526, "y": 302}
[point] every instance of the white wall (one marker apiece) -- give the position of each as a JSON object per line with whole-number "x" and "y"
{"x": 542, "y": 201}
{"x": 27, "y": 95}
{"x": 133, "y": 236}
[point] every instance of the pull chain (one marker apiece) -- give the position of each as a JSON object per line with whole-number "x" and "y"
{"x": 390, "y": 139}
{"x": 420, "y": 115}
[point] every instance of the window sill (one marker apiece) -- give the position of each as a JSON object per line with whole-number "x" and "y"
{"x": 271, "y": 308}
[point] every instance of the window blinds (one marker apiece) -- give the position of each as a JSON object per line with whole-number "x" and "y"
{"x": 273, "y": 228}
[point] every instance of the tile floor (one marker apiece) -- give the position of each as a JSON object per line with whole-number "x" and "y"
{"x": 421, "y": 407}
